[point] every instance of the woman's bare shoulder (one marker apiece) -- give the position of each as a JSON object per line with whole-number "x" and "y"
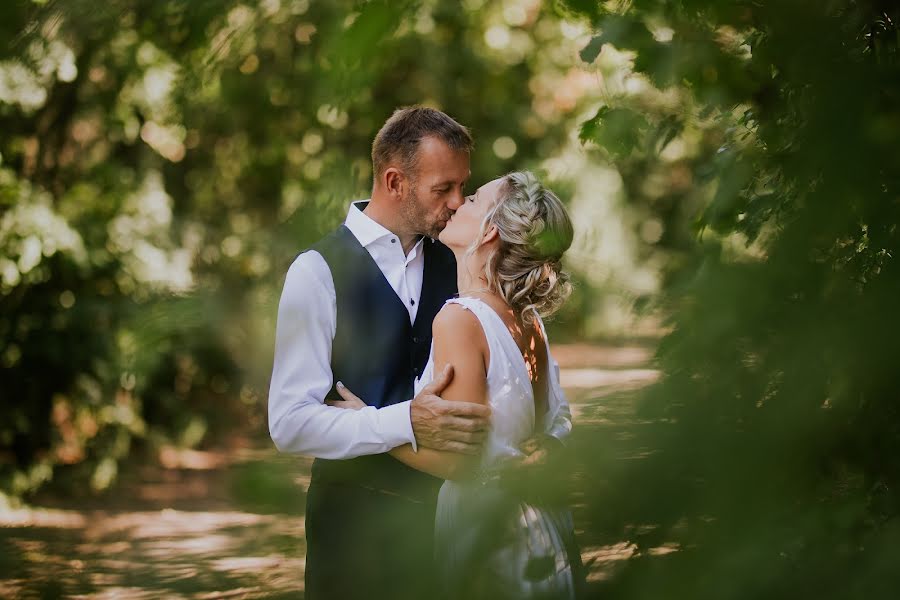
{"x": 457, "y": 329}
{"x": 456, "y": 320}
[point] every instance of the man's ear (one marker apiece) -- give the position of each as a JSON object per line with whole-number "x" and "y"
{"x": 393, "y": 181}
{"x": 490, "y": 235}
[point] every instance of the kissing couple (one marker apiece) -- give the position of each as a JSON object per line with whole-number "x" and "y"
{"x": 430, "y": 294}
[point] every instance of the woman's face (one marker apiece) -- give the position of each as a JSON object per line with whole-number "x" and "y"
{"x": 465, "y": 225}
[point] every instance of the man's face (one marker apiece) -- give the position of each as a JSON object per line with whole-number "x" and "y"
{"x": 436, "y": 189}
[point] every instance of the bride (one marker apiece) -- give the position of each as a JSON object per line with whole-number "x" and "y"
{"x": 508, "y": 239}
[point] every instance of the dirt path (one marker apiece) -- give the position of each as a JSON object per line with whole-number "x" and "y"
{"x": 230, "y": 524}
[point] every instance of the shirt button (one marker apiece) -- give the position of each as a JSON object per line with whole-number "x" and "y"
{"x": 393, "y": 241}
{"x": 412, "y": 302}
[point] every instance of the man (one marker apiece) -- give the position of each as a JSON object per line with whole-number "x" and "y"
{"x": 357, "y": 308}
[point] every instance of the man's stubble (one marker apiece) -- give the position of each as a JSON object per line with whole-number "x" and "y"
{"x": 417, "y": 218}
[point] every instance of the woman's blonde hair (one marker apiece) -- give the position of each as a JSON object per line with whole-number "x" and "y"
{"x": 535, "y": 231}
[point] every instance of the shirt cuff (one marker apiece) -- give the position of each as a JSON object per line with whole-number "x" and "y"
{"x": 396, "y": 424}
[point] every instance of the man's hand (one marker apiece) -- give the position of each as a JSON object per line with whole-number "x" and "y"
{"x": 447, "y": 425}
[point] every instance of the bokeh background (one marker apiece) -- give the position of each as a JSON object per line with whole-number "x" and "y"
{"x": 733, "y": 169}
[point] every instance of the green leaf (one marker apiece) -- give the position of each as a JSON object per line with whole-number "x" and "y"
{"x": 616, "y": 130}
{"x": 721, "y": 214}
{"x": 622, "y": 32}
{"x": 590, "y": 52}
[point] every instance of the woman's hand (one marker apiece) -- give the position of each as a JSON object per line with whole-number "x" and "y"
{"x": 350, "y": 400}
{"x": 536, "y": 450}
{"x": 534, "y": 476}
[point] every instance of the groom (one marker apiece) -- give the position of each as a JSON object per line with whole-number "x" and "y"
{"x": 357, "y": 309}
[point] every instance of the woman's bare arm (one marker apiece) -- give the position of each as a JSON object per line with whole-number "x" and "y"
{"x": 458, "y": 340}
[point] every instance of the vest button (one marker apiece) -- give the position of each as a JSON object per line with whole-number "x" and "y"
{"x": 415, "y": 339}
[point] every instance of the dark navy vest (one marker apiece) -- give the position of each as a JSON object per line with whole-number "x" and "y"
{"x": 377, "y": 353}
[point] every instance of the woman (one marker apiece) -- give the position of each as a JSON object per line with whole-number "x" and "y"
{"x": 508, "y": 239}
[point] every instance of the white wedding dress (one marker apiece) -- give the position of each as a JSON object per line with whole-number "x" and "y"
{"x": 488, "y": 541}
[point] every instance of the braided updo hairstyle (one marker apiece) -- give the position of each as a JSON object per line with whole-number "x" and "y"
{"x": 535, "y": 231}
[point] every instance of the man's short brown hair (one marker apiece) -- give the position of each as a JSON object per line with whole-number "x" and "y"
{"x": 399, "y": 138}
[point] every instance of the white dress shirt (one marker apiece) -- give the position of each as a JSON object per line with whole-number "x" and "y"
{"x": 299, "y": 420}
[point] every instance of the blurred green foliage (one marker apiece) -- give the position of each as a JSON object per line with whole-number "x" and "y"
{"x": 163, "y": 162}
{"x": 771, "y": 130}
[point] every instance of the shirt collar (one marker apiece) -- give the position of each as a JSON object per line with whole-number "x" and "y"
{"x": 367, "y": 230}
{"x": 362, "y": 226}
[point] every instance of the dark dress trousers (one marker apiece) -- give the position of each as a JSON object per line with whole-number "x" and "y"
{"x": 370, "y": 520}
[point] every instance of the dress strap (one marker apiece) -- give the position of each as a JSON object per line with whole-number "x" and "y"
{"x": 500, "y": 340}
{"x": 472, "y": 304}
{"x": 487, "y": 316}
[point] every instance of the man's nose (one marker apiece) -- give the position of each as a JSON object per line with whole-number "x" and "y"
{"x": 456, "y": 201}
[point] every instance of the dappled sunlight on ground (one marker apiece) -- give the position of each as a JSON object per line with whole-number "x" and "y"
{"x": 239, "y": 546}
{"x": 602, "y": 561}
{"x": 229, "y": 524}
{"x": 31, "y": 517}
{"x": 591, "y": 373}
{"x": 175, "y": 553}
{"x": 601, "y": 378}
{"x": 575, "y": 356}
